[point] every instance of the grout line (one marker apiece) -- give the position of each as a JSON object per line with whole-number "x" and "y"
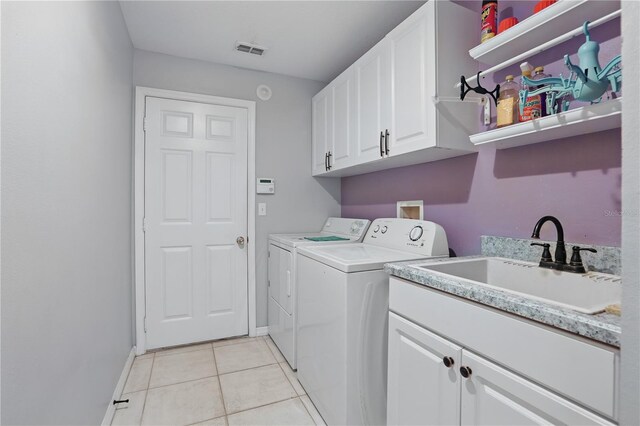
{"x": 314, "y": 407}
{"x": 266, "y": 405}
{"x": 144, "y": 404}
{"x": 207, "y": 420}
{"x": 215, "y": 363}
{"x": 249, "y": 368}
{"x": 184, "y": 381}
{"x": 160, "y": 354}
{"x": 308, "y": 412}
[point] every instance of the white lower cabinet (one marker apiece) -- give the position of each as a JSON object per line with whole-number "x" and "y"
{"x": 492, "y": 395}
{"x": 450, "y": 364}
{"x": 421, "y": 389}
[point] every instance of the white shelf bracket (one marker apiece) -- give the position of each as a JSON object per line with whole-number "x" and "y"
{"x": 484, "y": 101}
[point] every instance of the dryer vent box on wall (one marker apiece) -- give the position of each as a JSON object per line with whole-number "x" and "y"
{"x": 410, "y": 210}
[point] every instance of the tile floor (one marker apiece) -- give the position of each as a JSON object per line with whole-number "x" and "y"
{"x": 243, "y": 381}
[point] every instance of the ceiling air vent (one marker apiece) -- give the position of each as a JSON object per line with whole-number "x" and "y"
{"x": 250, "y": 48}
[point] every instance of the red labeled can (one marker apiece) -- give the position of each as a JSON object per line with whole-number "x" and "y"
{"x": 489, "y": 26}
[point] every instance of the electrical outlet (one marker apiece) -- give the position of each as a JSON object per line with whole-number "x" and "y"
{"x": 262, "y": 209}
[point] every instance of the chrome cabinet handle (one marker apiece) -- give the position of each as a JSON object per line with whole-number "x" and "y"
{"x": 381, "y": 144}
{"x": 240, "y": 241}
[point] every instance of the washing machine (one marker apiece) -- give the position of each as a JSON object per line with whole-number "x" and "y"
{"x": 343, "y": 303}
{"x": 282, "y": 305}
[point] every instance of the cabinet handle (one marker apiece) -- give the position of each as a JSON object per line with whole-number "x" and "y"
{"x": 386, "y": 141}
{"x": 326, "y": 157}
{"x": 448, "y": 361}
{"x": 465, "y": 371}
{"x": 329, "y": 157}
{"x": 381, "y": 146}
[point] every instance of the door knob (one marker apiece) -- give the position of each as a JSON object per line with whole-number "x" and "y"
{"x": 240, "y": 241}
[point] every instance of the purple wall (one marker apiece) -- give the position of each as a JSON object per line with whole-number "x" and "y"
{"x": 504, "y": 192}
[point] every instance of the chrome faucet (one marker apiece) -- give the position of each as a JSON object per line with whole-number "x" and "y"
{"x": 561, "y": 252}
{"x": 560, "y": 262}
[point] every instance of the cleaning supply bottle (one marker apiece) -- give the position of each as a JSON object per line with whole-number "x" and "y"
{"x": 538, "y": 74}
{"x": 489, "y": 25}
{"x": 532, "y": 105}
{"x": 508, "y": 103}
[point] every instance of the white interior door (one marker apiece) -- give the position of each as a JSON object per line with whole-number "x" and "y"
{"x": 195, "y": 210}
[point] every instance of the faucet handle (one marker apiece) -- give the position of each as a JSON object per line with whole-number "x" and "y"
{"x": 546, "y": 254}
{"x": 576, "y": 259}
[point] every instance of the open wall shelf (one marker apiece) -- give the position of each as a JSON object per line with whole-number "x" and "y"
{"x": 588, "y": 119}
{"x": 549, "y": 23}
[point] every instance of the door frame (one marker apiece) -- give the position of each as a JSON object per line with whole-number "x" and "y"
{"x": 138, "y": 214}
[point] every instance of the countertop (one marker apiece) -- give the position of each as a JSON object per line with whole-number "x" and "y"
{"x": 601, "y": 327}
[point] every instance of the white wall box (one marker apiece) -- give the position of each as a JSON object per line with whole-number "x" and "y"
{"x": 517, "y": 371}
{"x": 383, "y": 111}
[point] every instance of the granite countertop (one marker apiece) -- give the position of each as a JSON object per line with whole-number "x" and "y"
{"x": 602, "y": 327}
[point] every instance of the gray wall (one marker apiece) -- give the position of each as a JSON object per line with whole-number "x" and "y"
{"x": 630, "y": 369}
{"x": 66, "y": 209}
{"x": 283, "y": 144}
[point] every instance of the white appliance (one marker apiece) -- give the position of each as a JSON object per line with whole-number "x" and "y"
{"x": 343, "y": 299}
{"x": 282, "y": 275}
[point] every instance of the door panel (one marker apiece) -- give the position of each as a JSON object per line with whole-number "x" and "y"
{"x": 411, "y": 43}
{"x": 495, "y": 396}
{"x": 321, "y": 128}
{"x": 342, "y": 140}
{"x": 195, "y": 208}
{"x": 421, "y": 389}
{"x": 373, "y": 93}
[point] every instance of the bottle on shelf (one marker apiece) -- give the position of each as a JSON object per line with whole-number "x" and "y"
{"x": 508, "y": 103}
{"x": 538, "y": 74}
{"x": 532, "y": 107}
{"x": 489, "y": 25}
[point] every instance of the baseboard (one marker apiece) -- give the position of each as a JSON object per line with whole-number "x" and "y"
{"x": 111, "y": 409}
{"x": 262, "y": 331}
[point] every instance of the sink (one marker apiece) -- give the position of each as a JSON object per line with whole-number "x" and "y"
{"x": 587, "y": 293}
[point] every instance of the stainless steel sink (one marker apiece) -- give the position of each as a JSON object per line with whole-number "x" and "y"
{"x": 588, "y": 293}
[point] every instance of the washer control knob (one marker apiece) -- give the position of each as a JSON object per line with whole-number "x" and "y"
{"x": 415, "y": 233}
{"x": 384, "y": 230}
{"x": 377, "y": 228}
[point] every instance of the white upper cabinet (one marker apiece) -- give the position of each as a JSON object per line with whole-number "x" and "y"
{"x": 342, "y": 141}
{"x": 321, "y": 130}
{"x": 403, "y": 108}
{"x": 410, "y": 45}
{"x": 373, "y": 107}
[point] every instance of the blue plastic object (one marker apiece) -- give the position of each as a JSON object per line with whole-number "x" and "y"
{"x": 587, "y": 82}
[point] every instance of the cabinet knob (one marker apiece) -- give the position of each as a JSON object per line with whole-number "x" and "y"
{"x": 448, "y": 361}
{"x": 465, "y": 371}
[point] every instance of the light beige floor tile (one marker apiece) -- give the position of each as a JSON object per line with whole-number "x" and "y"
{"x": 290, "y": 412}
{"x": 183, "y": 349}
{"x": 130, "y": 413}
{"x": 252, "y": 388}
{"x": 243, "y": 356}
{"x": 312, "y": 410}
{"x": 293, "y": 378}
{"x": 182, "y": 367}
{"x": 184, "y": 403}
{"x": 148, "y": 355}
{"x": 274, "y": 350}
{"x": 235, "y": 341}
{"x": 220, "y": 421}
{"x": 139, "y": 374}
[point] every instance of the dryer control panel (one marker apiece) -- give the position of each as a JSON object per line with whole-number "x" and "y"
{"x": 341, "y": 226}
{"x": 414, "y": 236}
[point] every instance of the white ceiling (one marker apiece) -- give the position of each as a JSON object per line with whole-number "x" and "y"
{"x": 307, "y": 39}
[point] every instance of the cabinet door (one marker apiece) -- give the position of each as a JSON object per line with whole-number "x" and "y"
{"x": 321, "y": 130}
{"x": 373, "y": 101}
{"x": 412, "y": 50}
{"x": 342, "y": 141}
{"x": 421, "y": 389}
{"x": 492, "y": 395}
